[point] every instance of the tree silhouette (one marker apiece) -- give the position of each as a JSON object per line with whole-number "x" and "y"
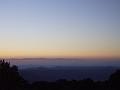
{"x": 114, "y": 80}
{"x": 10, "y": 78}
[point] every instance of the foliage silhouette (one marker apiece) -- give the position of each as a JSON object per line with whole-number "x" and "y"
{"x": 11, "y": 80}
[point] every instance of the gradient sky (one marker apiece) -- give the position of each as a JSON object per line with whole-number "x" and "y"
{"x": 59, "y": 28}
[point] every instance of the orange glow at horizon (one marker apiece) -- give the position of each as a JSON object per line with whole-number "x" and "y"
{"x": 58, "y": 54}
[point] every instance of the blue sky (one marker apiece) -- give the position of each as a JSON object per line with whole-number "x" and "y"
{"x": 60, "y": 28}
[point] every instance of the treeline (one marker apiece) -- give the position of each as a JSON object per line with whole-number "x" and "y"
{"x": 10, "y": 79}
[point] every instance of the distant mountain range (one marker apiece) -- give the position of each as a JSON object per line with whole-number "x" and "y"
{"x": 67, "y": 72}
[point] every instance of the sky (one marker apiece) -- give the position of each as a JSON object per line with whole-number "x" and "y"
{"x": 60, "y": 28}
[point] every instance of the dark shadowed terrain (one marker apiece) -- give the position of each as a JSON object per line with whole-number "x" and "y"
{"x": 11, "y": 79}
{"x": 69, "y": 73}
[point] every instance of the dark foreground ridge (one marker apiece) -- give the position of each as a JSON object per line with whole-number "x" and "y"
{"x": 10, "y": 79}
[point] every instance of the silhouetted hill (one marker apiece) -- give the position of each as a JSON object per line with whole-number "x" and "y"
{"x": 69, "y": 73}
